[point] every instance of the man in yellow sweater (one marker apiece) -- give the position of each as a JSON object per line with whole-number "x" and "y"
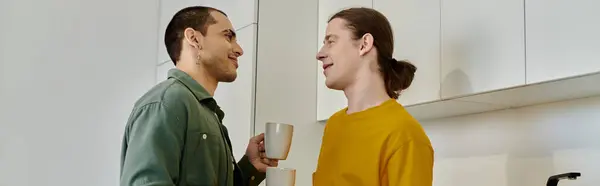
{"x": 374, "y": 141}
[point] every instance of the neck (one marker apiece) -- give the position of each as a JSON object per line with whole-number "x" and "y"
{"x": 200, "y": 75}
{"x": 367, "y": 91}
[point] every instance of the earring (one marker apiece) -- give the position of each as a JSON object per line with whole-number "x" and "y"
{"x": 198, "y": 60}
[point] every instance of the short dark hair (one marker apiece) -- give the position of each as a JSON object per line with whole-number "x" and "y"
{"x": 397, "y": 75}
{"x": 196, "y": 17}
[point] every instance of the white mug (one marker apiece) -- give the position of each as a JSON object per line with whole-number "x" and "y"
{"x": 281, "y": 176}
{"x": 278, "y": 139}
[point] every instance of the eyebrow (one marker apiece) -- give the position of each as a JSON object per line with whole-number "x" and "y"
{"x": 230, "y": 32}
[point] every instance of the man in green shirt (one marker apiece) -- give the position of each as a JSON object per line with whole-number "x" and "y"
{"x": 174, "y": 135}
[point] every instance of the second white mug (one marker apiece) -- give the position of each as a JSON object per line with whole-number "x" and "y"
{"x": 280, "y": 176}
{"x": 278, "y": 140}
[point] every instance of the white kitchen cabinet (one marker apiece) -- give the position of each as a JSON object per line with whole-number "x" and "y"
{"x": 330, "y": 101}
{"x": 241, "y": 13}
{"x": 416, "y": 25}
{"x": 162, "y": 71}
{"x": 237, "y": 98}
{"x": 482, "y": 46}
{"x": 562, "y": 37}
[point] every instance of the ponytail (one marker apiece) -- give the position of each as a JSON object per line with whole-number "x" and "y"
{"x": 397, "y": 75}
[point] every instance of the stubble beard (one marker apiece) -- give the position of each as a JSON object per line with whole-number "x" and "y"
{"x": 220, "y": 70}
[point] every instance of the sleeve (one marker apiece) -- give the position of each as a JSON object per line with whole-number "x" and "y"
{"x": 154, "y": 144}
{"x": 250, "y": 174}
{"x": 410, "y": 165}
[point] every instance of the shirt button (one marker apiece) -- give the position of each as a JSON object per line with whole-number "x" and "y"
{"x": 203, "y": 136}
{"x": 252, "y": 178}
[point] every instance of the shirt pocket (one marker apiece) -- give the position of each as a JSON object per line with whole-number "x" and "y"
{"x": 204, "y": 157}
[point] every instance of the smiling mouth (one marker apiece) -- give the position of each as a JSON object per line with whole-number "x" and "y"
{"x": 235, "y": 62}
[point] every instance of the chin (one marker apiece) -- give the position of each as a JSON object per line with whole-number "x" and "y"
{"x": 333, "y": 85}
{"x": 228, "y": 78}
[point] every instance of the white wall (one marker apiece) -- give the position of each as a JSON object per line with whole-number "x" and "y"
{"x": 286, "y": 78}
{"x": 70, "y": 71}
{"x": 519, "y": 147}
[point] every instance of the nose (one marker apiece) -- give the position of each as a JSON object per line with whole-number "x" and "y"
{"x": 321, "y": 55}
{"x": 237, "y": 50}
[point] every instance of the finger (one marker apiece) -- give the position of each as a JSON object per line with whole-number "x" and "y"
{"x": 258, "y": 138}
{"x": 270, "y": 162}
{"x": 265, "y": 161}
{"x": 274, "y": 163}
{"x": 261, "y": 147}
{"x": 263, "y": 155}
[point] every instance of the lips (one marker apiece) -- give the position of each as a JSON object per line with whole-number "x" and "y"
{"x": 234, "y": 61}
{"x": 325, "y": 67}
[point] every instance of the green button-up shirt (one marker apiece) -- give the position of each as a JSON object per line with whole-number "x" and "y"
{"x": 174, "y": 136}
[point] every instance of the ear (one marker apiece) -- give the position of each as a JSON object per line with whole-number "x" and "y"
{"x": 193, "y": 38}
{"x": 366, "y": 44}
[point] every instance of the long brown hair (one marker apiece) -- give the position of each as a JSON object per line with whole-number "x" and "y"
{"x": 397, "y": 74}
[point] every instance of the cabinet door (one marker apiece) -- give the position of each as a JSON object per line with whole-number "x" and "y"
{"x": 562, "y": 38}
{"x": 242, "y": 13}
{"x": 330, "y": 101}
{"x": 416, "y": 25}
{"x": 482, "y": 46}
{"x": 167, "y": 10}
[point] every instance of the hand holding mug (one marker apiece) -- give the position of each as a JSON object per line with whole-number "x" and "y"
{"x": 257, "y": 156}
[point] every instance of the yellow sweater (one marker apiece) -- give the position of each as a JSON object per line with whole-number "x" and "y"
{"x": 380, "y": 146}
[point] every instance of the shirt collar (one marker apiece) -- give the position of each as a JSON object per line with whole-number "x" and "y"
{"x": 198, "y": 90}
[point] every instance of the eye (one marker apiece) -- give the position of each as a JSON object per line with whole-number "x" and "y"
{"x": 229, "y": 36}
{"x": 329, "y": 42}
